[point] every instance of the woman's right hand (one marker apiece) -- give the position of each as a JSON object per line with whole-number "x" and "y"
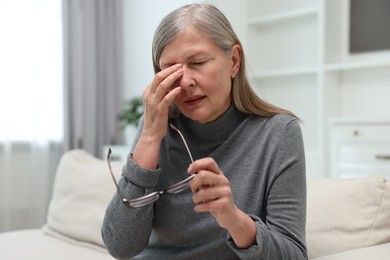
{"x": 158, "y": 96}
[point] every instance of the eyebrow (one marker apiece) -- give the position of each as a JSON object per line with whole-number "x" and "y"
{"x": 191, "y": 57}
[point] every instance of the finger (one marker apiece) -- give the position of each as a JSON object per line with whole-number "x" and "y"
{"x": 210, "y": 193}
{"x": 170, "y": 97}
{"x": 162, "y": 75}
{"x": 161, "y": 100}
{"x": 207, "y": 206}
{"x": 216, "y": 205}
{"x": 169, "y": 83}
{"x": 207, "y": 163}
{"x": 159, "y": 77}
{"x": 204, "y": 179}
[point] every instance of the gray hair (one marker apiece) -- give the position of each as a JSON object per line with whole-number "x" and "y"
{"x": 210, "y": 22}
{"x": 204, "y": 18}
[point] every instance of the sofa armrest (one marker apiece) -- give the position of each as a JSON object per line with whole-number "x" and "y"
{"x": 377, "y": 252}
{"x": 346, "y": 214}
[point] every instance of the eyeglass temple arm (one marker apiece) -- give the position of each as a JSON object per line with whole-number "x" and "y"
{"x": 184, "y": 141}
{"x": 112, "y": 175}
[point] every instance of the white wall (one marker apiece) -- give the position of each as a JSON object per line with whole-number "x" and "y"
{"x": 235, "y": 11}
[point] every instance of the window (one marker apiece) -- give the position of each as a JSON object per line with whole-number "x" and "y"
{"x": 31, "y": 70}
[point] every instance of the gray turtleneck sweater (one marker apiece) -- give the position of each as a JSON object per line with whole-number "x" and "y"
{"x": 263, "y": 158}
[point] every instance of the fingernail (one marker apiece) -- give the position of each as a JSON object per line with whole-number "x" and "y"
{"x": 178, "y": 66}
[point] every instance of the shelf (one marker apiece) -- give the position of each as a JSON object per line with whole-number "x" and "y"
{"x": 283, "y": 16}
{"x": 299, "y": 59}
{"x": 355, "y": 66}
{"x": 358, "y": 121}
{"x": 286, "y": 72}
{"x": 270, "y": 48}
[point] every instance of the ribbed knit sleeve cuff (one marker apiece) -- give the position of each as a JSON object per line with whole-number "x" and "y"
{"x": 259, "y": 249}
{"x": 139, "y": 176}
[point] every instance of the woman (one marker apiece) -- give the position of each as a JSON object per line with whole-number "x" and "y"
{"x": 247, "y": 187}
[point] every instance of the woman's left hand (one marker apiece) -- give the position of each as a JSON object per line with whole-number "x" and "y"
{"x": 212, "y": 193}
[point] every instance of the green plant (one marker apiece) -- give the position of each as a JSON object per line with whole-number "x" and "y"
{"x": 131, "y": 112}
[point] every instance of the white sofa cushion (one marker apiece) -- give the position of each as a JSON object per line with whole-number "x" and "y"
{"x": 346, "y": 214}
{"x": 33, "y": 244}
{"x": 378, "y": 252}
{"x": 82, "y": 190}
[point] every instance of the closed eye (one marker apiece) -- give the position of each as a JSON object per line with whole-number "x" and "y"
{"x": 198, "y": 63}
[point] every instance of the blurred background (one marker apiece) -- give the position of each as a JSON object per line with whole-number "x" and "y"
{"x": 68, "y": 68}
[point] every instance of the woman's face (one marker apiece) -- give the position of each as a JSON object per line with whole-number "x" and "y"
{"x": 206, "y": 81}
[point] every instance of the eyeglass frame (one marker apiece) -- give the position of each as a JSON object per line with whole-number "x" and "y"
{"x": 154, "y": 196}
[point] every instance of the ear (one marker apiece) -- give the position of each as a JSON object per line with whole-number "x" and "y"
{"x": 236, "y": 60}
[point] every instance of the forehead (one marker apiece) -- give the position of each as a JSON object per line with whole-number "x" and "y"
{"x": 188, "y": 44}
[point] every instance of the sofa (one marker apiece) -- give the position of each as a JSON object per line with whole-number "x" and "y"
{"x": 346, "y": 219}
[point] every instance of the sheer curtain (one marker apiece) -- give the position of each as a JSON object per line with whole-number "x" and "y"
{"x": 93, "y": 73}
{"x": 31, "y": 111}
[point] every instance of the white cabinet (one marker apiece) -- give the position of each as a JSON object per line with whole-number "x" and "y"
{"x": 298, "y": 58}
{"x": 360, "y": 148}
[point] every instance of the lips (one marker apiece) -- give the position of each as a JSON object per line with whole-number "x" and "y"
{"x": 195, "y": 100}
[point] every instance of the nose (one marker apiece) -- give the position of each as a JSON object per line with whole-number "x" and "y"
{"x": 187, "y": 80}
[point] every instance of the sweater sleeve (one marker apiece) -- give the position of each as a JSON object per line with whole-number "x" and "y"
{"x": 126, "y": 231}
{"x": 282, "y": 235}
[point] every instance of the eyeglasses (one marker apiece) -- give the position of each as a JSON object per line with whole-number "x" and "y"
{"x": 152, "y": 197}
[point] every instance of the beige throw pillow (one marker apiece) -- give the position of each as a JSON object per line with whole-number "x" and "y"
{"x": 346, "y": 214}
{"x": 82, "y": 190}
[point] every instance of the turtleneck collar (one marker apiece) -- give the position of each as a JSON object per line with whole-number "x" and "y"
{"x": 213, "y": 132}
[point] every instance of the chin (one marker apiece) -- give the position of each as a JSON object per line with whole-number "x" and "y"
{"x": 198, "y": 117}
